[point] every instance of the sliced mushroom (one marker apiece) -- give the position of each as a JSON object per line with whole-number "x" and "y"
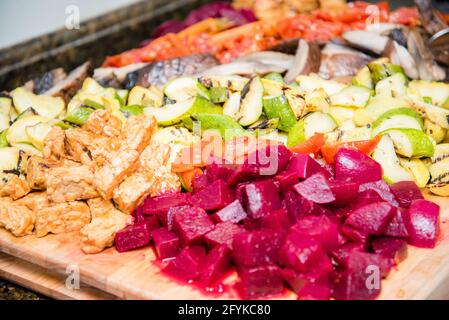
{"x": 307, "y": 60}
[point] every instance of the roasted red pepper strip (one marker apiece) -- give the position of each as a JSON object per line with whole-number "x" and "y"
{"x": 313, "y": 145}
{"x": 366, "y": 146}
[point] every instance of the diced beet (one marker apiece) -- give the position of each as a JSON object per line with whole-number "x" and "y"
{"x": 138, "y": 214}
{"x": 397, "y": 226}
{"x": 343, "y": 252}
{"x": 391, "y": 247}
{"x": 355, "y": 235}
{"x": 277, "y": 220}
{"x": 199, "y": 182}
{"x": 233, "y": 212}
{"x": 191, "y": 225}
{"x": 423, "y": 225}
{"x": 320, "y": 228}
{"x": 372, "y": 218}
{"x": 353, "y": 165}
{"x": 239, "y": 191}
{"x": 304, "y": 166}
{"x": 264, "y": 162}
{"x": 382, "y": 189}
{"x": 134, "y": 236}
{"x": 361, "y": 280}
{"x": 219, "y": 171}
{"x": 166, "y": 217}
{"x": 188, "y": 263}
{"x": 166, "y": 243}
{"x": 316, "y": 189}
{"x": 162, "y": 203}
{"x": 216, "y": 264}
{"x": 405, "y": 192}
{"x": 286, "y": 180}
{"x": 260, "y": 281}
{"x": 345, "y": 192}
{"x": 300, "y": 253}
{"x": 256, "y": 248}
{"x": 223, "y": 233}
{"x": 314, "y": 291}
{"x": 298, "y": 280}
{"x": 260, "y": 198}
{"x": 298, "y": 207}
{"x": 215, "y": 196}
{"x": 152, "y": 222}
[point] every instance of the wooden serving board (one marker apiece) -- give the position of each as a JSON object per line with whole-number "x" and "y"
{"x": 133, "y": 275}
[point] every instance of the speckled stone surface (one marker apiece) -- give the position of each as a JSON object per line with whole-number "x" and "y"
{"x": 9, "y": 291}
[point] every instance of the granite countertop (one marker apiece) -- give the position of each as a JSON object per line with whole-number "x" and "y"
{"x": 9, "y": 291}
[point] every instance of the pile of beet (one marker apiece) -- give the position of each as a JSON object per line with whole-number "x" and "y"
{"x": 322, "y": 231}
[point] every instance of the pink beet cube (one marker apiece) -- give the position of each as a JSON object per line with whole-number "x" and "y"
{"x": 314, "y": 291}
{"x": 163, "y": 203}
{"x": 215, "y": 265}
{"x": 343, "y": 252}
{"x": 397, "y": 226}
{"x": 262, "y": 281}
{"x": 188, "y": 263}
{"x": 134, "y": 236}
{"x": 191, "y": 225}
{"x": 391, "y": 247}
{"x": 353, "y": 165}
{"x": 372, "y": 218}
{"x": 260, "y": 198}
{"x": 166, "y": 217}
{"x": 215, "y": 196}
{"x": 233, "y": 212}
{"x": 299, "y": 253}
{"x": 382, "y": 189}
{"x": 405, "y": 192}
{"x": 320, "y": 228}
{"x": 298, "y": 207}
{"x": 424, "y": 223}
{"x": 256, "y": 248}
{"x": 304, "y": 166}
{"x": 355, "y": 235}
{"x": 223, "y": 233}
{"x": 345, "y": 192}
{"x": 316, "y": 189}
{"x": 286, "y": 180}
{"x": 166, "y": 243}
{"x": 277, "y": 220}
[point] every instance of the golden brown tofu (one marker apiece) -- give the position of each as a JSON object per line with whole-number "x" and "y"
{"x": 151, "y": 178}
{"x": 70, "y": 183}
{"x": 106, "y": 222}
{"x": 119, "y": 165}
{"x": 37, "y": 172}
{"x": 16, "y": 188}
{"x": 103, "y": 123}
{"x": 16, "y": 218}
{"x": 62, "y": 218}
{"x": 138, "y": 132}
{"x": 54, "y": 144}
{"x": 34, "y": 201}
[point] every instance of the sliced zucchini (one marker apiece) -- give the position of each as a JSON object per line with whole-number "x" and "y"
{"x": 312, "y": 82}
{"x": 363, "y": 78}
{"x": 381, "y": 70}
{"x": 394, "y": 86}
{"x": 17, "y": 133}
{"x": 296, "y": 101}
{"x": 273, "y": 88}
{"x": 398, "y": 118}
{"x": 79, "y": 116}
{"x": 418, "y": 170}
{"x": 46, "y": 106}
{"x": 132, "y": 110}
{"x": 251, "y": 104}
{"x": 5, "y": 105}
{"x": 386, "y": 156}
{"x": 234, "y": 83}
{"x": 232, "y": 105}
{"x": 349, "y": 135}
{"x": 435, "y": 131}
{"x": 3, "y": 140}
{"x": 438, "y": 115}
{"x": 438, "y": 92}
{"x": 225, "y": 125}
{"x": 352, "y": 96}
{"x": 381, "y": 104}
{"x": 275, "y": 76}
{"x": 9, "y": 159}
{"x": 4, "y": 121}
{"x": 219, "y": 94}
{"x": 91, "y": 86}
{"x": 316, "y": 122}
{"x": 279, "y": 108}
{"x": 318, "y": 100}
{"x": 182, "y": 89}
{"x": 37, "y": 134}
{"x": 113, "y": 106}
{"x": 411, "y": 142}
{"x": 122, "y": 96}
{"x": 342, "y": 114}
{"x": 28, "y": 148}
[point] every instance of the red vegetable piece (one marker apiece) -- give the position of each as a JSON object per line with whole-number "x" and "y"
{"x": 215, "y": 196}
{"x": 166, "y": 243}
{"x": 382, "y": 189}
{"x": 188, "y": 263}
{"x": 405, "y": 192}
{"x": 372, "y": 218}
{"x": 391, "y": 247}
{"x": 342, "y": 254}
{"x": 355, "y": 166}
{"x": 345, "y": 192}
{"x": 191, "y": 225}
{"x": 233, "y": 212}
{"x": 223, "y": 234}
{"x": 397, "y": 226}
{"x": 299, "y": 253}
{"x": 304, "y": 166}
{"x": 355, "y": 235}
{"x": 215, "y": 265}
{"x": 299, "y": 207}
{"x": 261, "y": 281}
{"x": 424, "y": 223}
{"x": 314, "y": 291}
{"x": 162, "y": 203}
{"x": 133, "y": 237}
{"x": 316, "y": 189}
{"x": 166, "y": 217}
{"x": 286, "y": 180}
{"x": 260, "y": 198}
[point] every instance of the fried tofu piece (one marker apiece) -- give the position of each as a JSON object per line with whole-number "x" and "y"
{"x": 34, "y": 201}
{"x": 103, "y": 123}
{"x": 37, "y": 172}
{"x": 16, "y": 218}
{"x": 152, "y": 177}
{"x": 138, "y": 132}
{"x": 70, "y": 183}
{"x": 62, "y": 218}
{"x": 106, "y": 222}
{"x": 16, "y": 188}
{"x": 54, "y": 144}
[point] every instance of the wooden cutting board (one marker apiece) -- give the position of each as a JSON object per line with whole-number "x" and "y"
{"x": 133, "y": 275}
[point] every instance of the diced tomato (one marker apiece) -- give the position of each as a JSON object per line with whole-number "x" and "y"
{"x": 366, "y": 146}
{"x": 313, "y": 145}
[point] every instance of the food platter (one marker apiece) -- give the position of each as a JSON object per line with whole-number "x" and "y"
{"x": 233, "y": 157}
